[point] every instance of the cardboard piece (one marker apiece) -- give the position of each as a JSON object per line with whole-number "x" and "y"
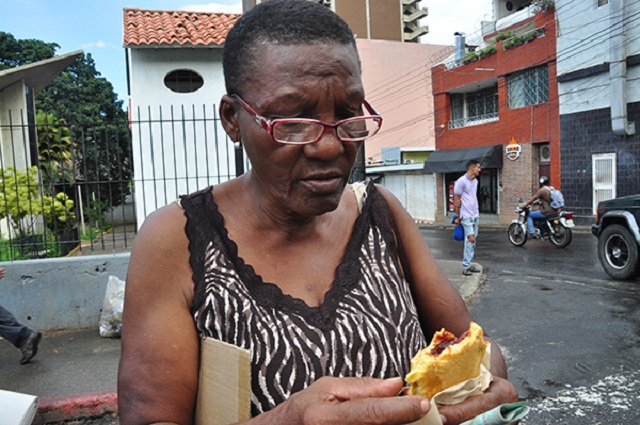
{"x": 224, "y": 387}
{"x": 17, "y": 408}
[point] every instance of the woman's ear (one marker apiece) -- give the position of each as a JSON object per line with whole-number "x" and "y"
{"x": 229, "y": 117}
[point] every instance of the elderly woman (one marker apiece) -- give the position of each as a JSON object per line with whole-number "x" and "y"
{"x": 331, "y": 286}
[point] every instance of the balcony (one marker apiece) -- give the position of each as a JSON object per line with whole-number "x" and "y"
{"x": 469, "y": 121}
{"x": 486, "y": 47}
{"x": 412, "y": 14}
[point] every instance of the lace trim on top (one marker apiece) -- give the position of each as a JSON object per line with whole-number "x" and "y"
{"x": 205, "y": 225}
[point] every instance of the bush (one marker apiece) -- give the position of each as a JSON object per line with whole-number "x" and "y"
{"x": 487, "y": 51}
{"x": 19, "y": 198}
{"x": 58, "y": 213}
{"x": 504, "y": 35}
{"x": 543, "y": 6}
{"x": 471, "y": 57}
{"x": 513, "y": 42}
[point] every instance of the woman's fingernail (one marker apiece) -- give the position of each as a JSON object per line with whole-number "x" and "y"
{"x": 425, "y": 406}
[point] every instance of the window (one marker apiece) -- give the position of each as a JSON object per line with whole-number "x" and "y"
{"x": 528, "y": 87}
{"x": 474, "y": 108}
{"x": 183, "y": 81}
{"x": 602, "y": 2}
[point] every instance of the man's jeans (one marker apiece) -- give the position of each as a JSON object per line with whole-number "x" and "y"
{"x": 470, "y": 226}
{"x": 532, "y": 215}
{"x": 10, "y": 329}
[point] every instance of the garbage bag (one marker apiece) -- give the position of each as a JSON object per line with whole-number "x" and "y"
{"x": 111, "y": 316}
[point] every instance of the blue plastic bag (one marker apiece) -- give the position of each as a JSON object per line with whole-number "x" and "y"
{"x": 458, "y": 231}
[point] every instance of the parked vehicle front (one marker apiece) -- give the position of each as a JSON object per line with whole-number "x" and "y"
{"x": 618, "y": 234}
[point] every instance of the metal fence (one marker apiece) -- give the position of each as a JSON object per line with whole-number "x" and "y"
{"x": 78, "y": 188}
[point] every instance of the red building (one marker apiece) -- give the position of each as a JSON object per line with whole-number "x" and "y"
{"x": 497, "y": 102}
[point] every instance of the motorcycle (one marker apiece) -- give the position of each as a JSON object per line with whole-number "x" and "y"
{"x": 556, "y": 228}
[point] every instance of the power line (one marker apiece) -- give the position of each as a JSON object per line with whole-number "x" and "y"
{"x": 573, "y": 50}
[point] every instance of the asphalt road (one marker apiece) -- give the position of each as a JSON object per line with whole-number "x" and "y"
{"x": 570, "y": 334}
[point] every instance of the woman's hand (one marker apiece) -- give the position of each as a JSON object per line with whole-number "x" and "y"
{"x": 349, "y": 401}
{"x": 499, "y": 392}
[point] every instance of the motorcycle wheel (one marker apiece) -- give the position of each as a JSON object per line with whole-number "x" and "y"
{"x": 517, "y": 235}
{"x": 561, "y": 236}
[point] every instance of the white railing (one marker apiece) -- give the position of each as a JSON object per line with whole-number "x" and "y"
{"x": 514, "y": 18}
{"x": 475, "y": 120}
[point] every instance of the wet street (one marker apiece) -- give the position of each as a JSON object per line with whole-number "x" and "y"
{"x": 570, "y": 334}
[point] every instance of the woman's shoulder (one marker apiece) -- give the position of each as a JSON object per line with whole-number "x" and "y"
{"x": 166, "y": 224}
{"x": 388, "y": 196}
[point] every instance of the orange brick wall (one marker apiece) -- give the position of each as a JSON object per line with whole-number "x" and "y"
{"x": 528, "y": 125}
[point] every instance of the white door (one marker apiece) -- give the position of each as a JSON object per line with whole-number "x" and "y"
{"x": 421, "y": 196}
{"x": 604, "y": 177}
{"x": 395, "y": 184}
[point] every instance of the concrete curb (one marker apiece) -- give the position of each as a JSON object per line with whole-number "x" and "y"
{"x": 468, "y": 289}
{"x": 490, "y": 227}
{"x": 76, "y": 407}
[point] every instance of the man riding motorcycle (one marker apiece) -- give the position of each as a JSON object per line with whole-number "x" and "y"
{"x": 544, "y": 197}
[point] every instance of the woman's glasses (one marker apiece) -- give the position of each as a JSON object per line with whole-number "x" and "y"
{"x": 300, "y": 131}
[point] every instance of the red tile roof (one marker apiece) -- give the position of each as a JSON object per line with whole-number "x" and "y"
{"x": 169, "y": 28}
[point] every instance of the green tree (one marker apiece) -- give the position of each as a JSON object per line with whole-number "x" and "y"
{"x": 54, "y": 151}
{"x": 21, "y": 52}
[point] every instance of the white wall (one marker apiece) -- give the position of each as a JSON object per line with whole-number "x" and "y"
{"x": 148, "y": 68}
{"x": 174, "y": 148}
{"x": 14, "y": 138}
{"x": 416, "y": 192}
{"x": 583, "y": 41}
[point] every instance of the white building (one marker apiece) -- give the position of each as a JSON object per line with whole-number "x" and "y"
{"x": 174, "y": 68}
{"x": 598, "y": 65}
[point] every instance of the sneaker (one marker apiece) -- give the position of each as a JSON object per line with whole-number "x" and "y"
{"x": 30, "y": 347}
{"x": 473, "y": 269}
{"x": 466, "y": 271}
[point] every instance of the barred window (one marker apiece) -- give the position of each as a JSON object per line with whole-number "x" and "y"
{"x": 183, "y": 81}
{"x": 457, "y": 106}
{"x": 528, "y": 87}
{"x": 474, "y": 108}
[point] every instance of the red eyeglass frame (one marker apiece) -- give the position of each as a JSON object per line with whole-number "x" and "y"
{"x": 268, "y": 124}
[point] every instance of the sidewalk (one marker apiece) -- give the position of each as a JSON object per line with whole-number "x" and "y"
{"x": 74, "y": 373}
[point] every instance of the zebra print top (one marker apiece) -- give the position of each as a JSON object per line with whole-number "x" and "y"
{"x": 366, "y": 326}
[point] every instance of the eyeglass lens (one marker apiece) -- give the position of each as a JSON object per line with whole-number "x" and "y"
{"x": 307, "y": 132}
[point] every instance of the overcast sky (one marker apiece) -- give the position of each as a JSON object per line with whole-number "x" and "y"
{"x": 95, "y": 26}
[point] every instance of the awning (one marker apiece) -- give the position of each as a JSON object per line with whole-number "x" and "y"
{"x": 455, "y": 160}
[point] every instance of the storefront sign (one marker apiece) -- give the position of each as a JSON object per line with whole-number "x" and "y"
{"x": 513, "y": 149}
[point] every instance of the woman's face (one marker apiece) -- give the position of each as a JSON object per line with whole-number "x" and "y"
{"x": 307, "y": 81}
